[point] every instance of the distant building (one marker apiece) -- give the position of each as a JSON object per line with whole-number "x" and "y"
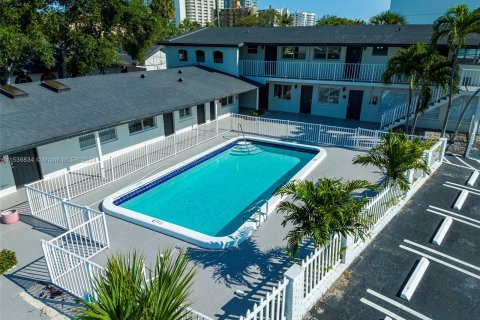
{"x": 303, "y": 19}
{"x": 243, "y": 3}
{"x": 427, "y": 11}
{"x": 228, "y": 16}
{"x": 281, "y": 11}
{"x": 201, "y": 11}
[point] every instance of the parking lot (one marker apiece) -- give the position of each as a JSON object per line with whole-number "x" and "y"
{"x": 450, "y": 287}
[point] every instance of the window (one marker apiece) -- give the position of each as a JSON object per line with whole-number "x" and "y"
{"x": 282, "y": 92}
{"x": 185, "y": 113}
{"x": 141, "y": 125}
{"x": 252, "y": 49}
{"x": 200, "y": 55}
{"x": 327, "y": 53}
{"x": 88, "y": 140}
{"x": 380, "y": 51}
{"x": 218, "y": 57}
{"x": 182, "y": 55}
{"x": 329, "y": 95}
{"x": 469, "y": 55}
{"x": 292, "y": 53}
{"x": 226, "y": 101}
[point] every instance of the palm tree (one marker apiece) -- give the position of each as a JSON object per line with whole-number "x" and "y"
{"x": 164, "y": 8}
{"x": 395, "y": 156}
{"x": 455, "y": 25}
{"x": 406, "y": 63}
{"x": 125, "y": 293}
{"x": 318, "y": 210}
{"x": 435, "y": 71}
{"x": 388, "y": 17}
{"x": 462, "y": 115}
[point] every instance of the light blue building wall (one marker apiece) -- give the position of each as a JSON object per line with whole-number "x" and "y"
{"x": 427, "y": 11}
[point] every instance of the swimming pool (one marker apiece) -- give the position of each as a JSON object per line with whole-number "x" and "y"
{"x": 209, "y": 200}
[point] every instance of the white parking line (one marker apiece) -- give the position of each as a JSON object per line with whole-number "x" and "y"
{"x": 472, "y": 167}
{"x": 462, "y": 186}
{"x": 398, "y": 305}
{"x": 442, "y": 254}
{"x": 381, "y": 309}
{"x": 441, "y": 262}
{"x": 446, "y": 160}
{"x": 458, "y": 165}
{"x": 461, "y": 189}
{"x": 456, "y": 219}
{"x": 454, "y": 214}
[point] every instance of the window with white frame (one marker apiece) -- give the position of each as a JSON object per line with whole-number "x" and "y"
{"x": 88, "y": 140}
{"x": 327, "y": 53}
{"x": 185, "y": 113}
{"x": 226, "y": 101}
{"x": 141, "y": 125}
{"x": 380, "y": 51}
{"x": 282, "y": 91}
{"x": 252, "y": 49}
{"x": 329, "y": 95}
{"x": 293, "y": 53}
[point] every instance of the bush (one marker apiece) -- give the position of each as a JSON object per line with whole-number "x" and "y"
{"x": 257, "y": 113}
{"x": 8, "y": 259}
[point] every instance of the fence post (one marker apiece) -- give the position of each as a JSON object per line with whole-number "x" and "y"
{"x": 197, "y": 135}
{"x": 294, "y": 293}
{"x": 86, "y": 217}
{"x": 258, "y": 124}
{"x": 348, "y": 244}
{"x": 444, "y": 148}
{"x": 146, "y": 154}
{"x": 112, "y": 169}
{"x": 288, "y": 129}
{"x": 65, "y": 214}
{"x": 357, "y": 136}
{"x": 65, "y": 176}
{"x": 175, "y": 143}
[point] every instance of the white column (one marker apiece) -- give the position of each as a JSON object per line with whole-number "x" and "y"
{"x": 348, "y": 254}
{"x": 294, "y": 293}
{"x": 216, "y": 116}
{"x": 100, "y": 155}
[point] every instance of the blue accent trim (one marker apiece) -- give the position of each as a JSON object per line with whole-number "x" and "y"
{"x": 144, "y": 188}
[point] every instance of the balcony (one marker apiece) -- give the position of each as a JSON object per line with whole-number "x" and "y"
{"x": 352, "y": 72}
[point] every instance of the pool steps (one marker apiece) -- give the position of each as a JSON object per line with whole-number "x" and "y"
{"x": 244, "y": 148}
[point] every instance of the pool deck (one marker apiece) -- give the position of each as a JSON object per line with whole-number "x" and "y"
{"x": 254, "y": 267}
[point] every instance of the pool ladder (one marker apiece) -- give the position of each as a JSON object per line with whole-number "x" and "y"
{"x": 243, "y": 134}
{"x": 257, "y": 214}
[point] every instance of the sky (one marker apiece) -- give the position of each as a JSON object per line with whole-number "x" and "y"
{"x": 360, "y": 9}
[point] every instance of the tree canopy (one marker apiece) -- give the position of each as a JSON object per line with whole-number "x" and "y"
{"x": 388, "y": 17}
{"x": 268, "y": 18}
{"x": 332, "y": 20}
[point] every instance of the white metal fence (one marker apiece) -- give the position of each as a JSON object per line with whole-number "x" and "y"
{"x": 308, "y": 281}
{"x": 272, "y": 307}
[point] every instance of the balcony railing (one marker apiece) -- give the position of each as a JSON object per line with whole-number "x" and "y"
{"x": 470, "y": 78}
{"x": 315, "y": 71}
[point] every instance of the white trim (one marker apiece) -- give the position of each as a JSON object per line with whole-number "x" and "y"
{"x": 192, "y": 236}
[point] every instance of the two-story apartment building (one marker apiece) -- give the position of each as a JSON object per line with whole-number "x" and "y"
{"x": 327, "y": 71}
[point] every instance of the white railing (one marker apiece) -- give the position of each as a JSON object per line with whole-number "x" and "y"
{"x": 315, "y": 71}
{"x": 91, "y": 175}
{"x": 195, "y": 315}
{"x": 399, "y": 112}
{"x": 469, "y": 78}
{"x": 315, "y": 133}
{"x": 272, "y": 307}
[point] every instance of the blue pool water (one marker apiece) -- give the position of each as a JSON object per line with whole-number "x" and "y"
{"x": 212, "y": 196}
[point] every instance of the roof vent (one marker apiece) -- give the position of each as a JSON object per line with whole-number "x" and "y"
{"x": 55, "y": 86}
{"x": 142, "y": 76}
{"x": 180, "y": 71}
{"x": 12, "y": 92}
{"x": 180, "y": 79}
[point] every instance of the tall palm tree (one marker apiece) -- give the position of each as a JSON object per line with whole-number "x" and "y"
{"x": 395, "y": 156}
{"x": 406, "y": 63}
{"x": 318, "y": 210}
{"x": 462, "y": 115}
{"x": 434, "y": 72}
{"x": 455, "y": 25}
{"x": 127, "y": 292}
{"x": 164, "y": 8}
{"x": 388, "y": 17}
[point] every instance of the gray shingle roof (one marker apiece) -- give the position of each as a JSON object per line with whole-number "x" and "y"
{"x": 362, "y": 35}
{"x": 98, "y": 102}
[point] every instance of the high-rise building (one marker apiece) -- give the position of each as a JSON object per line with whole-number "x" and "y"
{"x": 201, "y": 11}
{"x": 303, "y": 19}
{"x": 243, "y": 3}
{"x": 427, "y": 11}
{"x": 281, "y": 11}
{"x": 228, "y": 16}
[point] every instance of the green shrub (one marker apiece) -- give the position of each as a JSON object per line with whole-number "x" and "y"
{"x": 7, "y": 260}
{"x": 257, "y": 113}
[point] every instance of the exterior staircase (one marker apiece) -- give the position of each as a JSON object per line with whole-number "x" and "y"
{"x": 245, "y": 148}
